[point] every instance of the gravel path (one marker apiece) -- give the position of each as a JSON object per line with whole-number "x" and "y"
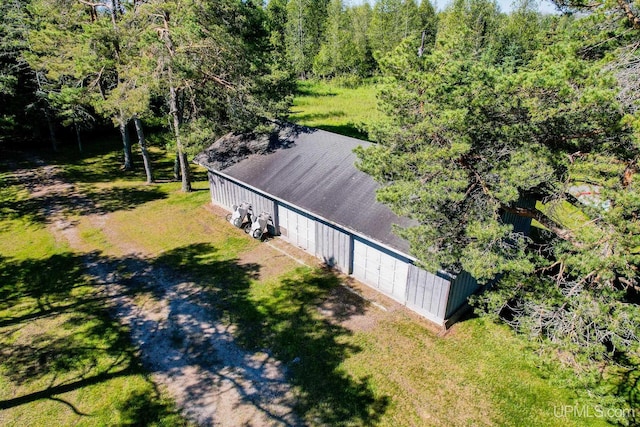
{"x": 190, "y": 353}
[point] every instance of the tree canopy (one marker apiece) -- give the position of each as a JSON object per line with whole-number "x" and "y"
{"x": 518, "y": 115}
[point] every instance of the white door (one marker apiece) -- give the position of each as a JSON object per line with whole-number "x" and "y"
{"x": 380, "y": 270}
{"x": 301, "y": 230}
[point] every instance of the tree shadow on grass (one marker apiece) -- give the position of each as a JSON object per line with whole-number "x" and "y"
{"x": 114, "y": 199}
{"x": 285, "y": 321}
{"x": 40, "y": 208}
{"x": 75, "y": 353}
{"x": 314, "y": 347}
{"x": 213, "y": 304}
{"x": 74, "y": 343}
{"x": 350, "y": 129}
{"x": 28, "y": 210}
{"x": 102, "y": 161}
{"x": 148, "y": 408}
{"x": 189, "y": 344}
{"x": 628, "y": 390}
{"x": 310, "y": 91}
{"x": 46, "y": 281}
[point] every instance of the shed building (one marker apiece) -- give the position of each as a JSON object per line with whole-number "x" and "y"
{"x": 319, "y": 201}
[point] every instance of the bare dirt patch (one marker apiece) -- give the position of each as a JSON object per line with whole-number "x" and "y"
{"x": 195, "y": 357}
{"x": 271, "y": 264}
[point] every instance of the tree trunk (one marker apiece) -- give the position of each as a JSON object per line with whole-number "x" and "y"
{"x": 52, "y": 130}
{"x": 47, "y": 115}
{"x": 184, "y": 165}
{"x": 176, "y": 167}
{"x": 78, "y": 139}
{"x": 143, "y": 148}
{"x": 126, "y": 142}
{"x": 185, "y": 172}
{"x": 631, "y": 16}
{"x": 175, "y": 115}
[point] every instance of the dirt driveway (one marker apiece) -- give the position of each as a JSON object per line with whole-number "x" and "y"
{"x": 190, "y": 353}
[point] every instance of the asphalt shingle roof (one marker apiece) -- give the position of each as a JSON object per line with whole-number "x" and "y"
{"x": 315, "y": 170}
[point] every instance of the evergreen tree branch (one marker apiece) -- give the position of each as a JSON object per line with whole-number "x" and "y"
{"x": 633, "y": 18}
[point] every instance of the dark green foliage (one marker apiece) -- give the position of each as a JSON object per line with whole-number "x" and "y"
{"x": 304, "y": 29}
{"x": 506, "y": 109}
{"x": 222, "y": 66}
{"x": 19, "y": 117}
{"x": 429, "y": 22}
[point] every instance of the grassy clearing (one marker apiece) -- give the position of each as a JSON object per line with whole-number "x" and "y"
{"x": 478, "y": 375}
{"x": 336, "y": 109}
{"x": 63, "y": 360}
{"x": 394, "y": 373}
{"x": 397, "y": 373}
{"x": 391, "y": 370}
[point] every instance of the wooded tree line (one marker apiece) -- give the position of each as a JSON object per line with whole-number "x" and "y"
{"x": 198, "y": 68}
{"x": 328, "y": 38}
{"x": 487, "y": 115}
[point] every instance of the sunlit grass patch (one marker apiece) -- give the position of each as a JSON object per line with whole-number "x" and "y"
{"x": 327, "y": 106}
{"x": 165, "y": 224}
{"x": 479, "y": 374}
{"x": 63, "y": 359}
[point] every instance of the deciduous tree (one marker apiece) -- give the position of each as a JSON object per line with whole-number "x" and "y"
{"x": 392, "y": 21}
{"x": 304, "y": 30}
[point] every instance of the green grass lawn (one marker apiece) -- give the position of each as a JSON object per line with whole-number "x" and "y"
{"x": 63, "y": 359}
{"x": 397, "y": 373}
{"x": 66, "y": 362}
{"x": 336, "y": 109}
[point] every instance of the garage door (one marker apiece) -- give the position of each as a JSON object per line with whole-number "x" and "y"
{"x": 427, "y": 294}
{"x": 298, "y": 229}
{"x": 380, "y": 270}
{"x": 333, "y": 246}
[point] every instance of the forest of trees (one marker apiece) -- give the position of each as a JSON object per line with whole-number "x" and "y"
{"x": 487, "y": 114}
{"x": 202, "y": 68}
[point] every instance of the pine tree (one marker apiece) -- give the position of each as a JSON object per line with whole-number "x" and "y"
{"x": 80, "y": 45}
{"x": 17, "y": 80}
{"x": 213, "y": 64}
{"x": 473, "y": 129}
